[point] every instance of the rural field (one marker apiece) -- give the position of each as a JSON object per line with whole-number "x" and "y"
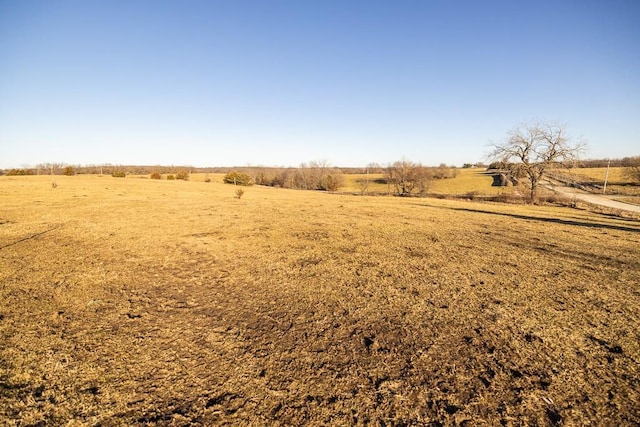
{"x": 471, "y": 180}
{"x": 147, "y": 302}
{"x": 617, "y": 180}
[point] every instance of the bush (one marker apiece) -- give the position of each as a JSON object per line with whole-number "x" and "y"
{"x": 332, "y": 182}
{"x": 239, "y": 193}
{"x": 183, "y": 175}
{"x": 170, "y": 177}
{"x": 156, "y": 175}
{"x": 498, "y": 165}
{"x": 444, "y": 172}
{"x": 408, "y": 178}
{"x": 238, "y": 178}
{"x": 69, "y": 171}
{"x": 119, "y": 174}
{"x": 19, "y": 172}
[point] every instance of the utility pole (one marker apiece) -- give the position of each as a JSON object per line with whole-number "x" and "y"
{"x": 606, "y": 177}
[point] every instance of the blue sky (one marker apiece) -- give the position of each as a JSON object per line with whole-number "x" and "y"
{"x": 284, "y": 82}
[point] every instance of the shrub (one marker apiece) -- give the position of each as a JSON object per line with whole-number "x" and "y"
{"x": 183, "y": 175}
{"x": 170, "y": 177}
{"x": 18, "y": 172}
{"x": 363, "y": 185}
{"x": 444, "y": 172}
{"x": 408, "y": 178}
{"x": 119, "y": 174}
{"x": 498, "y": 165}
{"x": 156, "y": 175}
{"x": 261, "y": 178}
{"x": 69, "y": 171}
{"x": 332, "y": 182}
{"x": 238, "y": 178}
{"x": 239, "y": 193}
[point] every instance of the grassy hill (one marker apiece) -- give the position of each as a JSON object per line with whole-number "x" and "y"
{"x": 136, "y": 301}
{"x": 617, "y": 180}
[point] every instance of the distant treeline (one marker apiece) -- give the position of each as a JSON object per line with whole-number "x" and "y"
{"x": 106, "y": 169}
{"x": 263, "y": 175}
{"x": 602, "y": 163}
{"x": 276, "y": 176}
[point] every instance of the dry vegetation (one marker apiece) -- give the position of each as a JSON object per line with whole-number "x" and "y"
{"x": 474, "y": 180}
{"x": 618, "y": 182}
{"x": 128, "y": 301}
{"x": 616, "y": 174}
{"x": 471, "y": 180}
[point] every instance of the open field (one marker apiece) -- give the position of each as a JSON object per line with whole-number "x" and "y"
{"x": 617, "y": 181}
{"x": 135, "y": 301}
{"x": 472, "y": 180}
{"x": 616, "y": 175}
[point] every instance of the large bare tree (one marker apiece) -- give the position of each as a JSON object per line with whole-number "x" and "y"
{"x": 534, "y": 148}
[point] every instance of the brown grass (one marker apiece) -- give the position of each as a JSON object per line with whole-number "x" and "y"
{"x": 617, "y": 180}
{"x": 616, "y": 174}
{"x": 468, "y": 181}
{"x": 127, "y": 301}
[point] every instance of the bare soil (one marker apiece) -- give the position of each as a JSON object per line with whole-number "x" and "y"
{"x": 134, "y": 302}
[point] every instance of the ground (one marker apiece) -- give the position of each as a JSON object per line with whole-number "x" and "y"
{"x": 130, "y": 301}
{"x": 614, "y": 203}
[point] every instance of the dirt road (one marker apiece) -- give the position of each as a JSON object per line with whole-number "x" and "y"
{"x": 594, "y": 199}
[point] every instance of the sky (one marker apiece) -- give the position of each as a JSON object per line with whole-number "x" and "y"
{"x": 279, "y": 83}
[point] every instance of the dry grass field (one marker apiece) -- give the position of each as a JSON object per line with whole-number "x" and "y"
{"x": 143, "y": 302}
{"x": 616, "y": 174}
{"x": 617, "y": 181}
{"x": 472, "y": 180}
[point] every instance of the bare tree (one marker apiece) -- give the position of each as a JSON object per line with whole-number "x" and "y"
{"x": 363, "y": 184}
{"x": 537, "y": 147}
{"x": 408, "y": 178}
{"x": 50, "y": 168}
{"x": 374, "y": 167}
{"x": 317, "y": 175}
{"x": 317, "y": 172}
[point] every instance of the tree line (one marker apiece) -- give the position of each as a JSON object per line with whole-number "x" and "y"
{"x": 404, "y": 177}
